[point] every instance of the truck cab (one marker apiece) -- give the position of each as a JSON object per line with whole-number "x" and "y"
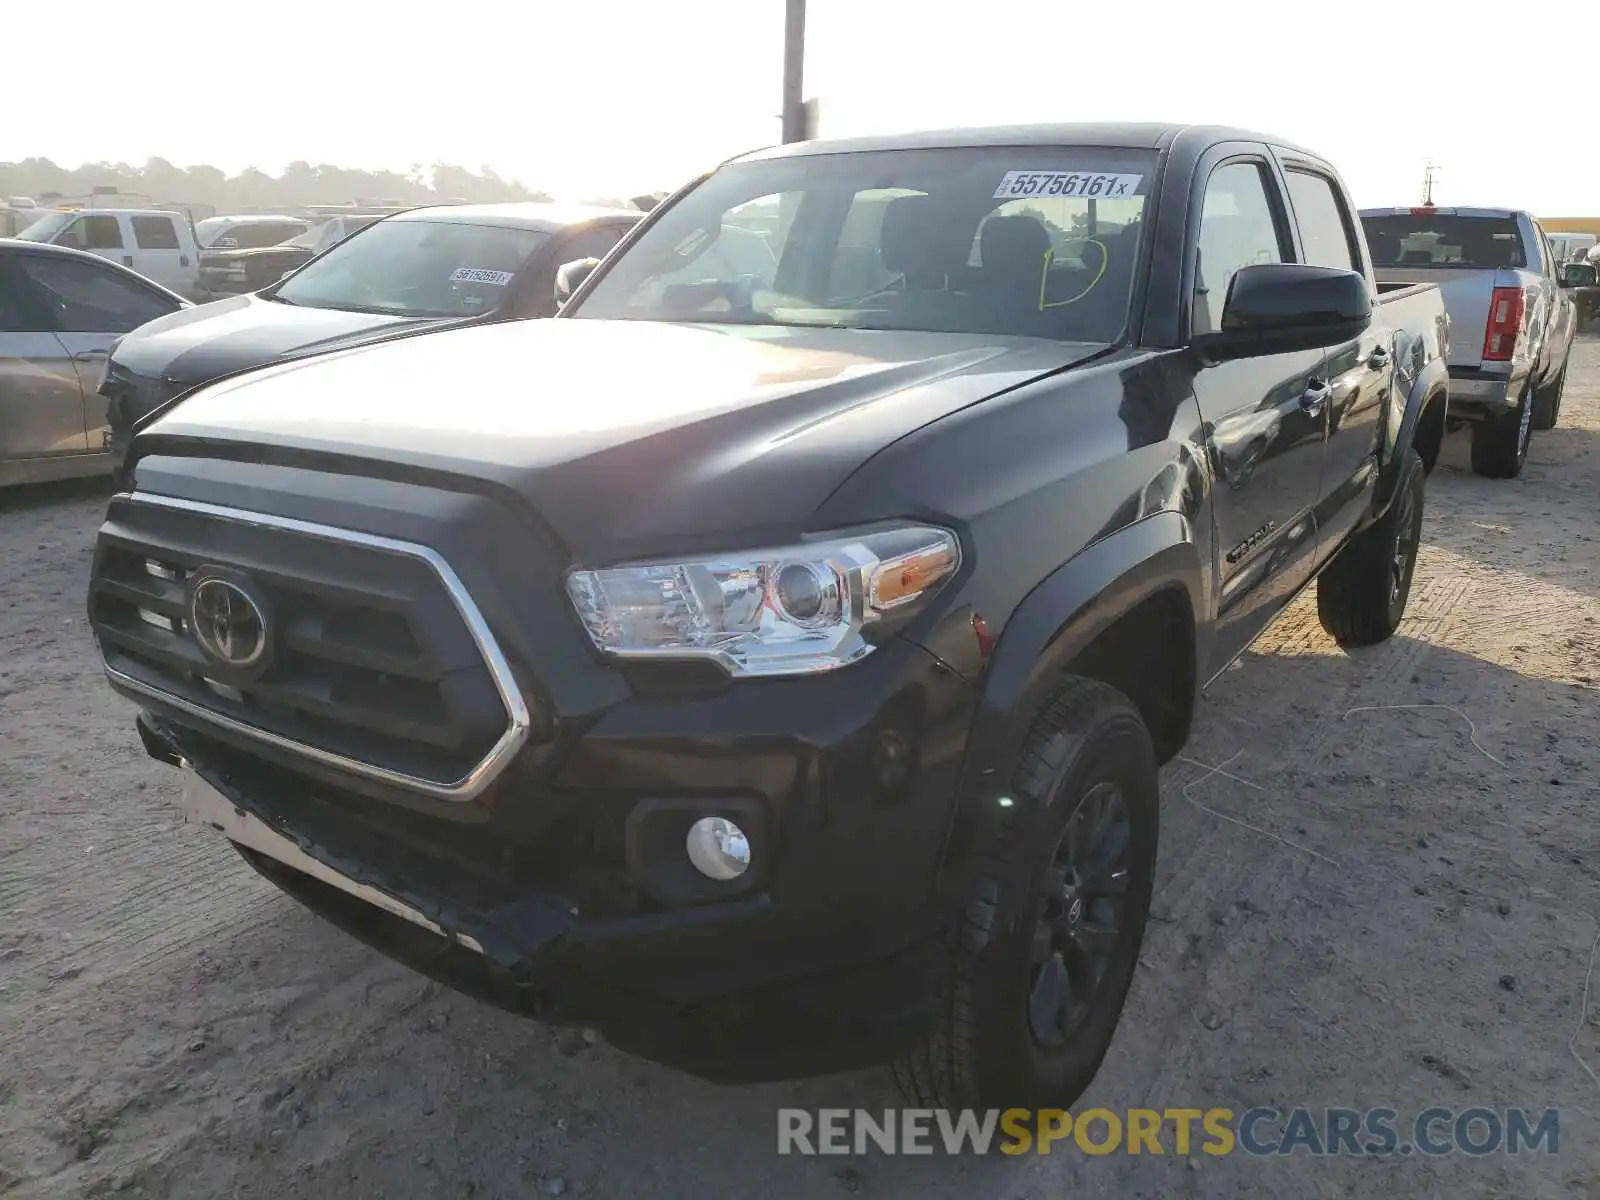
{"x": 157, "y": 243}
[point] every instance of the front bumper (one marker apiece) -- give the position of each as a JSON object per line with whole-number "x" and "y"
{"x": 824, "y": 963}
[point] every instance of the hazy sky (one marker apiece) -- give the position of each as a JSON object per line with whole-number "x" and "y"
{"x": 627, "y": 96}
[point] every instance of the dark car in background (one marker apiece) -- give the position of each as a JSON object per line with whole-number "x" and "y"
{"x": 422, "y": 269}
{"x": 234, "y": 270}
{"x": 249, "y": 231}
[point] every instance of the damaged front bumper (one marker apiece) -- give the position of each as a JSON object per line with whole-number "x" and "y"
{"x": 762, "y": 1008}
{"x": 203, "y": 804}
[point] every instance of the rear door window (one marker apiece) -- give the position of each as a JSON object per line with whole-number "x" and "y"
{"x": 1324, "y": 225}
{"x": 1443, "y": 240}
{"x": 86, "y": 298}
{"x": 155, "y": 233}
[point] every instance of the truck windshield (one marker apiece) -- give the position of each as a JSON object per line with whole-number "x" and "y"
{"x": 46, "y": 227}
{"x": 416, "y": 269}
{"x": 1443, "y": 240}
{"x": 1008, "y": 241}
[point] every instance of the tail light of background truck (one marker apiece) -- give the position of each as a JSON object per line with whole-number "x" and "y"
{"x": 1505, "y": 324}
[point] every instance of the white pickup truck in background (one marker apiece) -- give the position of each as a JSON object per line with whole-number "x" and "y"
{"x": 156, "y": 243}
{"x": 1512, "y": 319}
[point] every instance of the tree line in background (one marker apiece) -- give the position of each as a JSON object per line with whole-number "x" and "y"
{"x": 300, "y": 184}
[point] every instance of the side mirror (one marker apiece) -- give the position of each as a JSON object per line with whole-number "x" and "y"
{"x": 1576, "y": 275}
{"x": 1273, "y": 308}
{"x": 570, "y": 277}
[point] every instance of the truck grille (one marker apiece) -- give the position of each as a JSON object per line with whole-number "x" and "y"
{"x": 375, "y": 660}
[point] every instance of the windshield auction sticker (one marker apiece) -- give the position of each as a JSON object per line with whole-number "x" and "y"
{"x": 475, "y": 275}
{"x": 1067, "y": 183}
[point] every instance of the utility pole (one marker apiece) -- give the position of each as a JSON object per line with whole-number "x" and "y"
{"x": 794, "y": 64}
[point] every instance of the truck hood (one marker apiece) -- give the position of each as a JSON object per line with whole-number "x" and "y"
{"x": 202, "y": 343}
{"x": 626, "y": 436}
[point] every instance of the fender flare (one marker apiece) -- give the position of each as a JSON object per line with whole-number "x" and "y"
{"x": 1430, "y": 386}
{"x": 1054, "y": 623}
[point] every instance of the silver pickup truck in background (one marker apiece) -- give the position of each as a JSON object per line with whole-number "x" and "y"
{"x": 1511, "y": 319}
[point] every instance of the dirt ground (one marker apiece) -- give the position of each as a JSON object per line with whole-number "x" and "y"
{"x": 172, "y": 1026}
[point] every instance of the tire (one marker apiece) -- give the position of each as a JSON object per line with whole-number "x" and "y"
{"x": 1362, "y": 593}
{"x": 1547, "y": 404}
{"x": 1500, "y": 444}
{"x": 1003, "y": 1033}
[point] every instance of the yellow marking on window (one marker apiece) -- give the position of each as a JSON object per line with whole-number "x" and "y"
{"x": 1044, "y": 275}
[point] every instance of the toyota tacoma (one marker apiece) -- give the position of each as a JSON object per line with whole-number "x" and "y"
{"x": 770, "y": 667}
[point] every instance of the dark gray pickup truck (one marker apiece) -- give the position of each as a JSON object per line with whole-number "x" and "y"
{"x": 770, "y": 667}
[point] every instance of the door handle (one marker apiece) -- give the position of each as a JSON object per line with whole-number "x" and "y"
{"x": 1315, "y": 398}
{"x": 89, "y": 355}
{"x": 1379, "y": 358}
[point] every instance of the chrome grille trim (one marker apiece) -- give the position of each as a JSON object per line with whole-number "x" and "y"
{"x": 469, "y": 786}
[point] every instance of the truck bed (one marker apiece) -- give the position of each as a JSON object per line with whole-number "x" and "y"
{"x": 1415, "y": 307}
{"x": 1467, "y": 294}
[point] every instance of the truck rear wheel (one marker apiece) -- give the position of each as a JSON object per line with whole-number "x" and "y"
{"x": 1500, "y": 444}
{"x": 1547, "y": 404}
{"x": 1362, "y": 593}
{"x": 1033, "y": 979}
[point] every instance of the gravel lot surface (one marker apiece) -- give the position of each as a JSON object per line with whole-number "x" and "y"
{"x": 170, "y": 1025}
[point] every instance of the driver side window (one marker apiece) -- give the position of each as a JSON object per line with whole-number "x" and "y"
{"x": 1238, "y": 228}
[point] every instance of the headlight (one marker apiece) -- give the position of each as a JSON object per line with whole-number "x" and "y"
{"x": 785, "y": 611}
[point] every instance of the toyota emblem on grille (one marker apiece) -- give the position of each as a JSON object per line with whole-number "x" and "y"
{"x": 228, "y": 621}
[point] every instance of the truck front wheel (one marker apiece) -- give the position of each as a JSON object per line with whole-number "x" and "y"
{"x": 1032, "y": 980}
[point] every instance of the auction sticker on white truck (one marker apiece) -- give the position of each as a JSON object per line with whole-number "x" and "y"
{"x": 1091, "y": 184}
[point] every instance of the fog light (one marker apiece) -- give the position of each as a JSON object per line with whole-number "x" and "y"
{"x": 718, "y": 848}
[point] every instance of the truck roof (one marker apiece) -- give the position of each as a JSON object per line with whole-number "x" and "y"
{"x": 529, "y": 214}
{"x": 1408, "y": 210}
{"x": 116, "y": 212}
{"x": 1152, "y": 135}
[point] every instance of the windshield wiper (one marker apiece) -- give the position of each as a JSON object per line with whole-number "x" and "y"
{"x": 277, "y": 299}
